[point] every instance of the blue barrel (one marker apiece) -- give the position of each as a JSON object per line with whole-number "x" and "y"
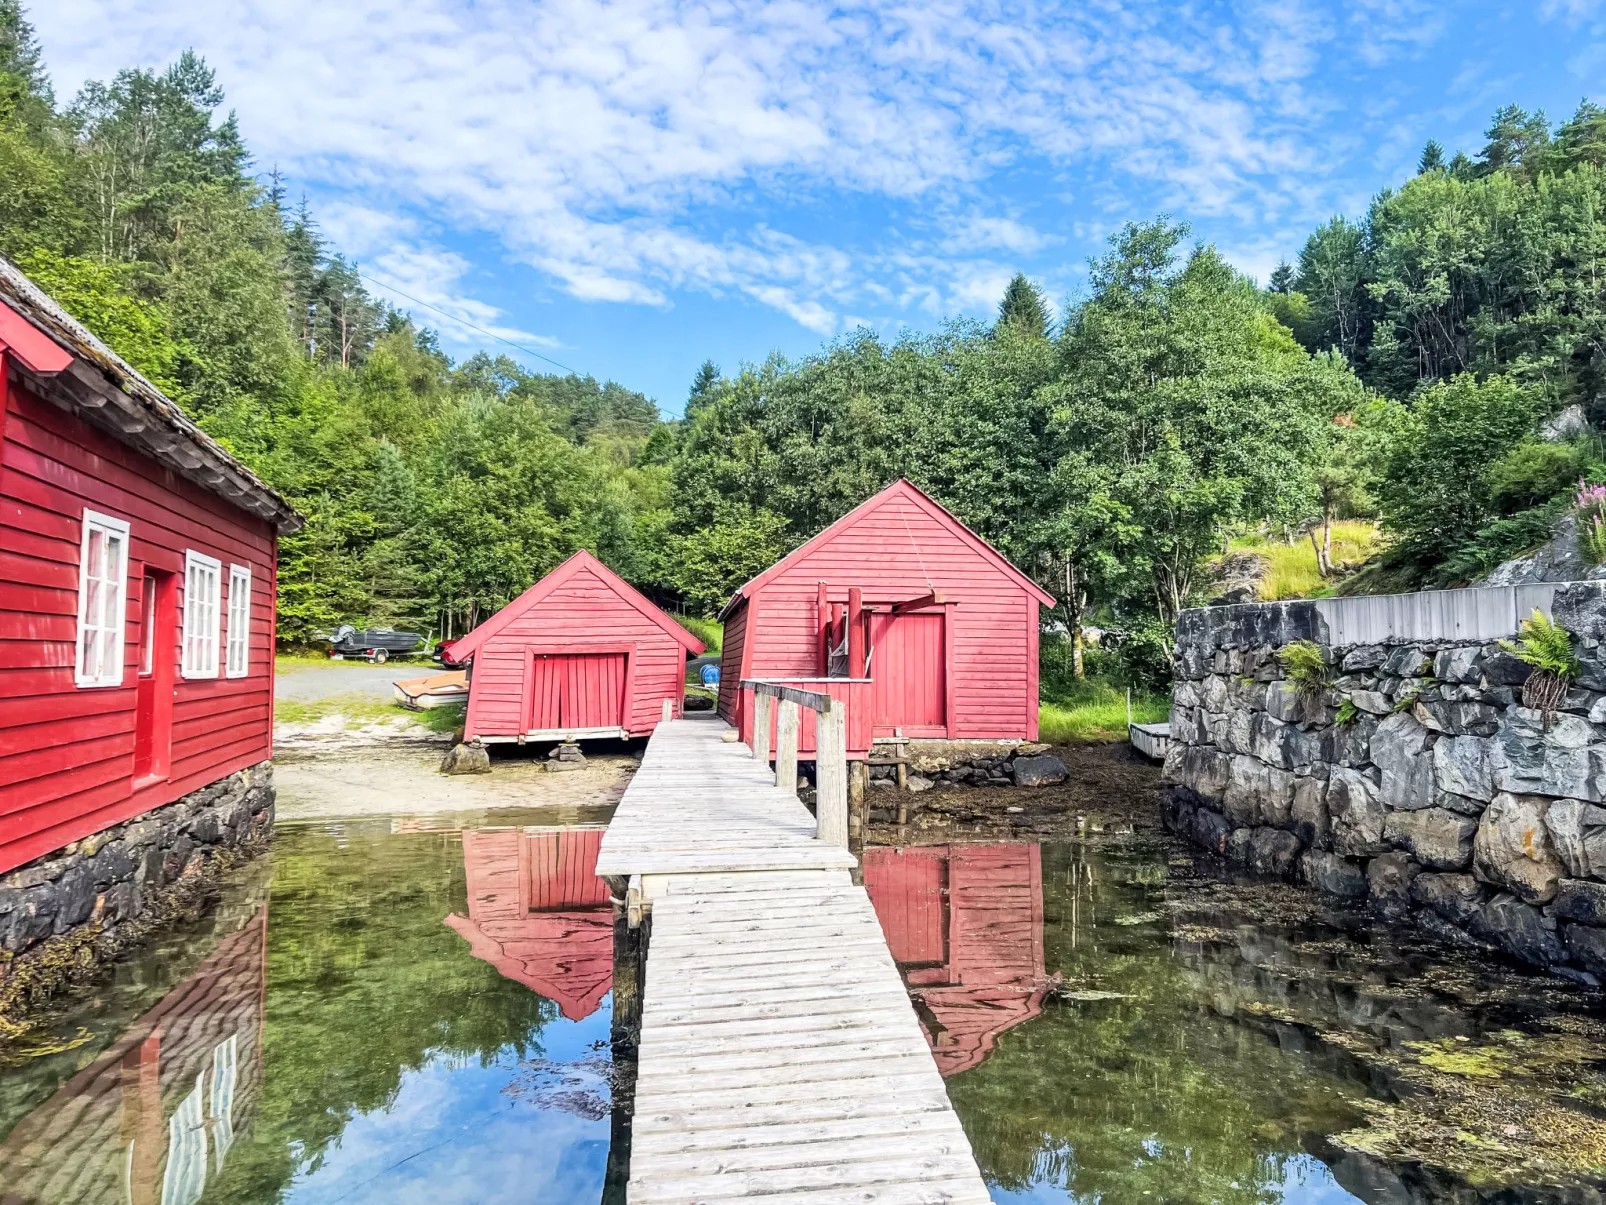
{"x": 710, "y": 675}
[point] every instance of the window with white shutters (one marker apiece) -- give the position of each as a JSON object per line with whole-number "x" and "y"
{"x": 102, "y": 592}
{"x": 202, "y": 591}
{"x": 239, "y": 657}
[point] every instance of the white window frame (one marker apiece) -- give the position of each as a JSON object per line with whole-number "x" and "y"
{"x": 202, "y": 622}
{"x": 239, "y": 640}
{"x": 111, "y": 672}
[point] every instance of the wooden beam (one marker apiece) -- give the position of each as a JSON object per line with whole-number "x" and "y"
{"x": 822, "y": 612}
{"x": 813, "y": 700}
{"x": 934, "y": 599}
{"x": 855, "y": 632}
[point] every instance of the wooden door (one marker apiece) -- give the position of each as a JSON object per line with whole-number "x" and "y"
{"x": 908, "y": 672}
{"x": 575, "y": 691}
{"x": 153, "y": 698}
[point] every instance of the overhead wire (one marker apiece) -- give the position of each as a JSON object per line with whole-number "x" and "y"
{"x": 465, "y": 322}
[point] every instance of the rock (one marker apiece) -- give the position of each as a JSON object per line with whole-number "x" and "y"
{"x": 1211, "y": 830}
{"x": 1308, "y": 813}
{"x": 1371, "y": 701}
{"x": 1464, "y": 765}
{"x": 1566, "y": 424}
{"x": 1238, "y": 576}
{"x": 1272, "y": 851}
{"x": 466, "y": 759}
{"x": 1581, "y": 900}
{"x": 1406, "y": 661}
{"x": 1176, "y": 811}
{"x": 1571, "y": 823}
{"x": 1352, "y": 744}
{"x": 1388, "y": 882}
{"x": 1246, "y": 785}
{"x": 1457, "y": 718}
{"x": 1363, "y": 657}
{"x": 1206, "y": 771}
{"x": 1500, "y": 668}
{"x": 1041, "y": 771}
{"x": 1355, "y": 812}
{"x": 1277, "y": 797}
{"x": 919, "y": 782}
{"x": 1555, "y": 759}
{"x": 1521, "y": 929}
{"x": 1332, "y": 875}
{"x": 1458, "y": 898}
{"x": 1440, "y": 839}
{"x": 75, "y": 897}
{"x": 1586, "y": 944}
{"x": 1400, "y": 751}
{"x": 1559, "y": 559}
{"x": 1286, "y": 701}
{"x": 1214, "y": 694}
{"x": 1512, "y": 848}
{"x": 1238, "y": 844}
{"x": 1458, "y": 664}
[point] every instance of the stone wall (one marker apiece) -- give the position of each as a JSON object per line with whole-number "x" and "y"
{"x": 58, "y": 912}
{"x": 1415, "y": 781}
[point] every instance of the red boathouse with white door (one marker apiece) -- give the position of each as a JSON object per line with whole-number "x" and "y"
{"x": 921, "y": 627}
{"x": 581, "y": 654}
{"x": 137, "y": 583}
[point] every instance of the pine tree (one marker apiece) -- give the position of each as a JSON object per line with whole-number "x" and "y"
{"x": 1432, "y": 158}
{"x": 1282, "y": 278}
{"x": 1517, "y": 139}
{"x": 19, "y": 50}
{"x": 702, "y": 387}
{"x": 1024, "y": 308}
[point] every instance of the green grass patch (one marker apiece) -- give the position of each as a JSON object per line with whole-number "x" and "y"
{"x": 1093, "y": 710}
{"x": 710, "y": 631}
{"x": 1292, "y": 573}
{"x": 303, "y": 660}
{"x": 358, "y": 710}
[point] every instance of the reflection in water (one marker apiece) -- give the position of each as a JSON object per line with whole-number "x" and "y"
{"x": 538, "y": 913}
{"x": 965, "y": 924}
{"x": 154, "y": 1114}
{"x": 355, "y": 1050}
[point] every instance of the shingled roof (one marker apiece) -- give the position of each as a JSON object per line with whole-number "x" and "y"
{"x": 105, "y": 390}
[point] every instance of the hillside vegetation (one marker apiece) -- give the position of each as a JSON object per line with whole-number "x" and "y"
{"x": 1401, "y": 371}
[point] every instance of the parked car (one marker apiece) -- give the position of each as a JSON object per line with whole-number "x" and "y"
{"x": 371, "y": 644}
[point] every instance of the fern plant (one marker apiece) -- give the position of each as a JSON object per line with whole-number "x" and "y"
{"x": 1347, "y": 711}
{"x": 1305, "y": 667}
{"x": 1548, "y": 647}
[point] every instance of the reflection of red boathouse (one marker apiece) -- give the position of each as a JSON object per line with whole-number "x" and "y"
{"x": 965, "y": 925}
{"x": 154, "y": 1116}
{"x": 538, "y": 913}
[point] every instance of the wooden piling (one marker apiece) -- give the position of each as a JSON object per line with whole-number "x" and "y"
{"x": 763, "y": 714}
{"x": 831, "y": 777}
{"x": 786, "y": 726}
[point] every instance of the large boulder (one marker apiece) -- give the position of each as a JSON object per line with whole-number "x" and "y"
{"x": 1464, "y": 765}
{"x": 1440, "y": 839}
{"x": 1356, "y": 813}
{"x": 1373, "y": 702}
{"x": 1042, "y": 771}
{"x": 1388, "y": 883}
{"x": 1521, "y": 929}
{"x": 1458, "y": 898}
{"x": 1581, "y": 900}
{"x": 1400, "y": 751}
{"x": 1549, "y": 756}
{"x": 1332, "y": 875}
{"x": 1211, "y": 831}
{"x": 1273, "y": 851}
{"x": 1458, "y": 664}
{"x": 1587, "y": 944}
{"x": 1245, "y": 787}
{"x": 1578, "y": 832}
{"x": 1512, "y": 848}
{"x": 466, "y": 759}
{"x": 1308, "y": 813}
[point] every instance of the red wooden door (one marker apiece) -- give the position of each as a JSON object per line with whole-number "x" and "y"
{"x": 577, "y": 690}
{"x": 908, "y": 671}
{"x": 153, "y": 697}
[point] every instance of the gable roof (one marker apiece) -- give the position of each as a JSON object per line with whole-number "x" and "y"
{"x": 581, "y": 562}
{"x": 901, "y": 488}
{"x": 67, "y": 366}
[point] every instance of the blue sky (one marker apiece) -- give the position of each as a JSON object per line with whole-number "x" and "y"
{"x": 631, "y": 187}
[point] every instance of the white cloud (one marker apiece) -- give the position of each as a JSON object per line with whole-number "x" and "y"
{"x": 632, "y": 148}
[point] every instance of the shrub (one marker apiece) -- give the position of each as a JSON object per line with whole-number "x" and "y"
{"x": 1548, "y": 647}
{"x": 1347, "y": 711}
{"x": 1305, "y": 665}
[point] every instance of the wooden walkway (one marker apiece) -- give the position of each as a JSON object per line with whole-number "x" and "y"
{"x": 779, "y": 1054}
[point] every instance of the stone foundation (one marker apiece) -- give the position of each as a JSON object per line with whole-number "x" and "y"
{"x": 60, "y": 913}
{"x": 942, "y": 763}
{"x": 1415, "y": 781}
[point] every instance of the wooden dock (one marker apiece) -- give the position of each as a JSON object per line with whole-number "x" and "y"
{"x": 779, "y": 1054}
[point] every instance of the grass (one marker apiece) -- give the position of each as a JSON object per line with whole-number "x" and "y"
{"x": 1092, "y": 710}
{"x": 1292, "y": 573}
{"x": 364, "y": 709}
{"x": 710, "y": 631}
{"x": 301, "y": 660}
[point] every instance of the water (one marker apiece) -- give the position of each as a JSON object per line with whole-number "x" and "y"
{"x": 403, "y": 1010}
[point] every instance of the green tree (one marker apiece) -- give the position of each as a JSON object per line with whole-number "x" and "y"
{"x": 1023, "y": 309}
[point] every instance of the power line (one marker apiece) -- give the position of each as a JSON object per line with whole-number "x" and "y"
{"x": 465, "y": 322}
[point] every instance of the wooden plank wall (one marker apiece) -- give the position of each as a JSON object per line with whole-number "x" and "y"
{"x": 66, "y": 754}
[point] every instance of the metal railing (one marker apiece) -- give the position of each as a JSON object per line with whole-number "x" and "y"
{"x": 782, "y": 704}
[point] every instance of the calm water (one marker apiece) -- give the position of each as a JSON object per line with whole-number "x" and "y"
{"x": 378, "y": 1013}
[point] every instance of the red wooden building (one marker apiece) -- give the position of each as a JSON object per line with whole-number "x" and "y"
{"x": 539, "y": 914}
{"x": 137, "y": 563}
{"x": 898, "y": 608}
{"x": 965, "y": 926}
{"x": 579, "y": 654}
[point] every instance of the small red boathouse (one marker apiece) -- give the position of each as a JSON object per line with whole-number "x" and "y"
{"x": 580, "y": 654}
{"x": 899, "y": 609}
{"x": 137, "y": 581}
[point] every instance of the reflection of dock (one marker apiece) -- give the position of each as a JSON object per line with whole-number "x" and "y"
{"x": 156, "y": 1114}
{"x": 965, "y": 926}
{"x": 538, "y": 913}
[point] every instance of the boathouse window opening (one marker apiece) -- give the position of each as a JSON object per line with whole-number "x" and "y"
{"x": 239, "y": 655}
{"x": 202, "y": 586}
{"x": 102, "y": 593}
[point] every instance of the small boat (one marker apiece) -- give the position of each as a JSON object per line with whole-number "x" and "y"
{"x": 374, "y": 644}
{"x": 420, "y": 694}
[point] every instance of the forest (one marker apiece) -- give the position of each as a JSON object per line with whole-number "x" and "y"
{"x": 1403, "y": 367}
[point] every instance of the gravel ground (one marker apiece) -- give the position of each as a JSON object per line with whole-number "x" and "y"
{"x": 311, "y": 683}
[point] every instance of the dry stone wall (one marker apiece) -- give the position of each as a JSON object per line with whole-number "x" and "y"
{"x": 1416, "y": 781}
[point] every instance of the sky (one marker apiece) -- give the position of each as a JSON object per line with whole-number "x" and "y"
{"x": 632, "y": 187}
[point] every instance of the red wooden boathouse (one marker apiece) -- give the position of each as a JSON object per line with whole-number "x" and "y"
{"x": 137, "y": 582}
{"x": 898, "y": 608}
{"x": 579, "y": 654}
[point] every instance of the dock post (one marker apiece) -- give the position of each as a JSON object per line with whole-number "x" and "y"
{"x": 858, "y": 778}
{"x": 669, "y": 710}
{"x": 786, "y": 725}
{"x": 763, "y": 711}
{"x": 831, "y": 777}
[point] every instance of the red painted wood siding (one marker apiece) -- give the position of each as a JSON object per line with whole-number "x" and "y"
{"x": 584, "y": 611}
{"x": 909, "y": 684}
{"x": 578, "y": 690}
{"x": 731, "y": 651}
{"x": 899, "y": 551}
{"x": 563, "y": 870}
{"x": 66, "y": 754}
